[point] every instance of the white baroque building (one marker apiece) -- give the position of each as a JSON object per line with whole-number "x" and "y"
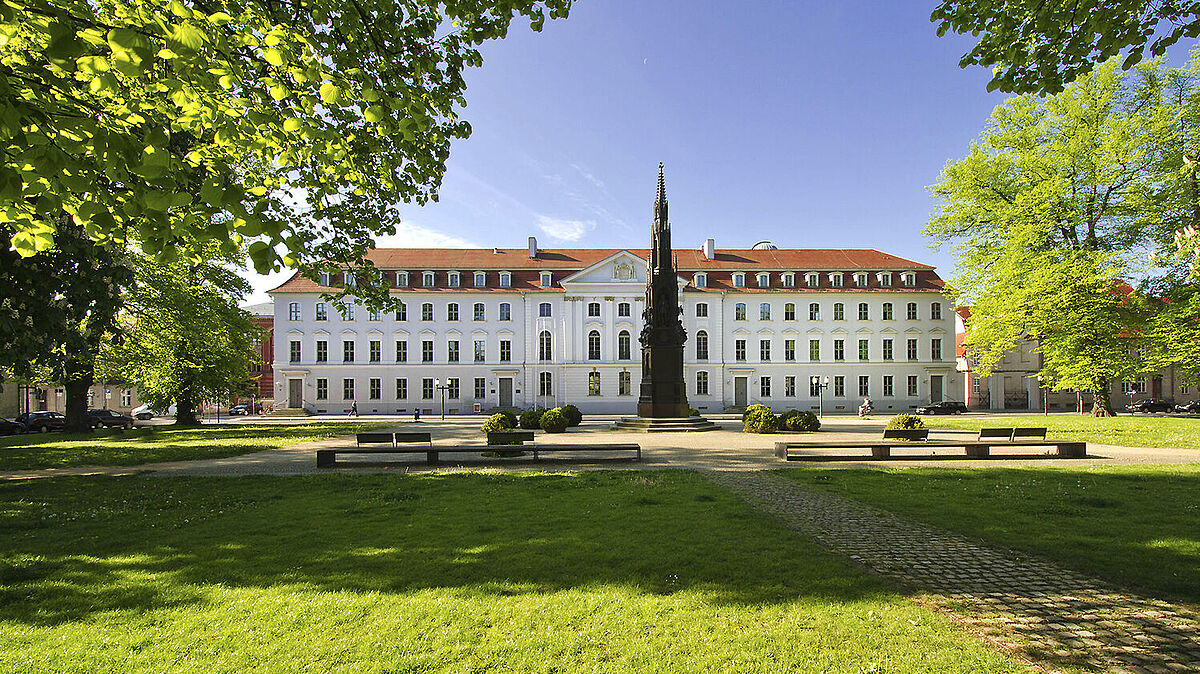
{"x": 547, "y": 327}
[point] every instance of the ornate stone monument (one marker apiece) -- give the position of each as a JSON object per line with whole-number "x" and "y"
{"x": 663, "y": 404}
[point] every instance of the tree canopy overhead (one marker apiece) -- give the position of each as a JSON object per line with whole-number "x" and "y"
{"x": 292, "y": 128}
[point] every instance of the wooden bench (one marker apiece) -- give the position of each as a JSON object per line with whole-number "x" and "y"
{"x": 509, "y": 437}
{"x": 328, "y": 457}
{"x": 906, "y": 434}
{"x": 880, "y": 449}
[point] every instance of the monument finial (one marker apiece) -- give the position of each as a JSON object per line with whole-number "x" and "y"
{"x": 662, "y": 186}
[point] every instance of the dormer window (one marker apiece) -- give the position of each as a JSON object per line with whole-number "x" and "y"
{"x": 505, "y": 279}
{"x": 835, "y": 279}
{"x": 909, "y": 279}
{"x": 739, "y": 280}
{"x": 326, "y": 279}
{"x": 480, "y": 279}
{"x": 428, "y": 280}
{"x": 452, "y": 279}
{"x": 860, "y": 279}
{"x": 764, "y": 280}
{"x": 885, "y": 279}
{"x": 789, "y": 280}
{"x": 812, "y": 279}
{"x": 700, "y": 280}
{"x": 401, "y": 279}
{"x": 547, "y": 279}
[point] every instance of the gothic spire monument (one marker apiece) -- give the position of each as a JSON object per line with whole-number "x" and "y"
{"x": 663, "y": 404}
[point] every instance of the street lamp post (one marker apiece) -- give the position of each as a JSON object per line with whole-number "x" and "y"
{"x": 437, "y": 384}
{"x": 820, "y": 386}
{"x": 1042, "y": 382}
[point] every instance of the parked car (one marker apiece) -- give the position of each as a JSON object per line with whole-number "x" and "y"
{"x": 944, "y": 407}
{"x": 109, "y": 419}
{"x": 9, "y": 427}
{"x": 1189, "y": 408}
{"x": 1150, "y": 405}
{"x": 245, "y": 408}
{"x": 42, "y": 422}
{"x": 146, "y": 413}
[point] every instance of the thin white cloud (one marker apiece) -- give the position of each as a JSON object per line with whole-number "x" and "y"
{"x": 587, "y": 175}
{"x": 562, "y": 229}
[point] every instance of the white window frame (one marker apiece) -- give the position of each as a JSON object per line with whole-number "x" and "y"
{"x": 835, "y": 279}
{"x": 453, "y": 279}
{"x": 700, "y": 280}
{"x": 763, "y": 279}
{"x": 547, "y": 279}
{"x": 739, "y": 280}
{"x": 506, "y": 279}
{"x": 812, "y": 279}
{"x": 428, "y": 279}
{"x": 480, "y": 279}
{"x": 788, "y": 279}
{"x": 401, "y": 279}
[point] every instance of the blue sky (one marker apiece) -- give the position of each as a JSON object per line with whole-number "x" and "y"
{"x": 811, "y": 124}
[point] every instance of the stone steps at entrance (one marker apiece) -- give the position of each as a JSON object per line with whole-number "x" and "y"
{"x": 664, "y": 425}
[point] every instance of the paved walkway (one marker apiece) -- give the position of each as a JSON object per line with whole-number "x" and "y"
{"x": 1055, "y": 616}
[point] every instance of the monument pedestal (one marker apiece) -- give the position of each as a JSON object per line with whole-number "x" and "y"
{"x": 664, "y": 425}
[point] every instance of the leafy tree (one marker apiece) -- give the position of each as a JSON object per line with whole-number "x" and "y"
{"x": 1172, "y": 338}
{"x": 1040, "y": 46}
{"x": 184, "y": 338}
{"x": 290, "y": 128}
{"x": 1047, "y": 214}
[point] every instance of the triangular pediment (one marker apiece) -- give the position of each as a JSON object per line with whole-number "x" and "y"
{"x": 620, "y": 268}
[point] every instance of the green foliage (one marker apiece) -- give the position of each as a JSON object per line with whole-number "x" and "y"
{"x": 905, "y": 422}
{"x": 798, "y": 421}
{"x": 1039, "y": 47}
{"x": 531, "y": 419}
{"x": 693, "y": 412}
{"x": 1172, "y": 338}
{"x": 574, "y": 416}
{"x": 293, "y": 129}
{"x": 554, "y": 421}
{"x": 498, "y": 423}
{"x": 760, "y": 420}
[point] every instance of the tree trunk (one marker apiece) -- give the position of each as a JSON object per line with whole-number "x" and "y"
{"x": 1101, "y": 403}
{"x": 76, "y": 387}
{"x": 185, "y": 411}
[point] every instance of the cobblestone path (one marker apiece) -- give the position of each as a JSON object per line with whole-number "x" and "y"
{"x": 1054, "y": 616}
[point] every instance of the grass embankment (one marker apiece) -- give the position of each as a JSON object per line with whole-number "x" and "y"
{"x": 150, "y": 444}
{"x": 1125, "y": 430}
{"x": 1133, "y": 525}
{"x": 600, "y": 571}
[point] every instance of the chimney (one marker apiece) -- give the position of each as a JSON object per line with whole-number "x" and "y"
{"x": 710, "y": 249}
{"x": 533, "y": 247}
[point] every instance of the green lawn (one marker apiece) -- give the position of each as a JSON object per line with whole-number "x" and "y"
{"x": 149, "y": 444}
{"x": 599, "y": 571}
{"x": 1134, "y": 525}
{"x": 1125, "y": 430}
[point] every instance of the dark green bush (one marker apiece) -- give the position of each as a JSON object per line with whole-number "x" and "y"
{"x": 908, "y": 422}
{"x": 531, "y": 419}
{"x": 498, "y": 423}
{"x": 508, "y": 414}
{"x": 693, "y": 412}
{"x": 761, "y": 420}
{"x": 574, "y": 416}
{"x": 751, "y": 409}
{"x": 554, "y": 421}
{"x": 799, "y": 421}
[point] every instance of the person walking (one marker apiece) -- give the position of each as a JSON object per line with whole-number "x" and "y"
{"x": 353, "y": 408}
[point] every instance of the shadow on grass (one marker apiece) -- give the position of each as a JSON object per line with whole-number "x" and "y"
{"x": 71, "y": 548}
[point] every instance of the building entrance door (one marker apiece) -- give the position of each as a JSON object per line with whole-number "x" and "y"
{"x": 506, "y": 392}
{"x": 739, "y": 391}
{"x": 935, "y": 388}
{"x": 295, "y": 393}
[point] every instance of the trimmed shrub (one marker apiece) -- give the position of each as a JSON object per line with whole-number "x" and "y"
{"x": 907, "y": 422}
{"x": 759, "y": 421}
{"x": 573, "y": 415}
{"x": 554, "y": 421}
{"x": 799, "y": 421}
{"x": 751, "y": 409}
{"x": 531, "y": 419}
{"x": 498, "y": 423}
{"x": 693, "y": 412}
{"x": 508, "y": 414}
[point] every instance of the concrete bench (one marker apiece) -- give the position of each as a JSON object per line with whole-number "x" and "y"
{"x": 995, "y": 433}
{"x": 906, "y": 434}
{"x": 509, "y": 437}
{"x": 370, "y": 443}
{"x": 327, "y": 457}
{"x": 881, "y": 449}
{"x": 1019, "y": 434}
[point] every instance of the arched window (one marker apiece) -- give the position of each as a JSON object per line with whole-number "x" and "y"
{"x": 702, "y": 345}
{"x": 623, "y": 345}
{"x": 911, "y": 311}
{"x": 594, "y": 345}
{"x": 478, "y": 312}
{"x": 545, "y": 346}
{"x": 814, "y": 312}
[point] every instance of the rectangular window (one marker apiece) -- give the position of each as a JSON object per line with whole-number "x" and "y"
{"x": 505, "y": 279}
{"x": 426, "y": 351}
{"x": 452, "y": 351}
{"x": 814, "y": 349}
{"x": 427, "y": 279}
{"x": 127, "y": 398}
{"x": 294, "y": 351}
{"x": 322, "y": 351}
{"x": 478, "y": 313}
{"x": 789, "y": 280}
{"x": 480, "y": 279}
{"x": 373, "y": 315}
{"x": 912, "y": 349}
{"x": 544, "y": 310}
{"x": 402, "y": 312}
{"x": 322, "y": 312}
{"x": 480, "y": 388}
{"x": 887, "y": 349}
{"x": 764, "y": 387}
{"x": 348, "y": 311}
{"x": 814, "y": 387}
{"x": 789, "y": 349}
{"x": 863, "y": 312}
{"x": 593, "y": 309}
{"x": 401, "y": 351}
{"x": 375, "y": 349}
{"x": 789, "y": 312}
{"x": 452, "y": 391}
{"x": 702, "y": 310}
{"x": 911, "y": 311}
{"x": 885, "y": 280}
{"x": 401, "y": 389}
{"x": 739, "y": 312}
{"x": 887, "y": 385}
{"x": 347, "y": 389}
{"x": 739, "y": 349}
{"x": 975, "y": 385}
{"x": 839, "y": 311}
{"x": 505, "y": 351}
{"x": 912, "y": 386}
{"x": 294, "y": 311}
{"x": 864, "y": 349}
{"x": 401, "y": 279}
{"x": 505, "y": 311}
{"x": 935, "y": 349}
{"x": 427, "y": 311}
{"x": 545, "y": 384}
{"x": 764, "y": 350}
{"x": 348, "y": 351}
{"x": 623, "y": 309}
{"x": 427, "y": 389}
{"x": 839, "y": 386}
{"x": 814, "y": 312}
{"x": 764, "y": 312}
{"x": 864, "y": 385}
{"x": 839, "y": 349}
{"x": 375, "y": 388}
{"x": 452, "y": 311}
{"x": 593, "y": 383}
{"x": 322, "y": 389}
{"x": 624, "y": 387}
{"x": 789, "y": 386}
{"x": 887, "y": 311}
{"x": 480, "y": 350}
{"x": 835, "y": 280}
{"x": 935, "y": 311}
